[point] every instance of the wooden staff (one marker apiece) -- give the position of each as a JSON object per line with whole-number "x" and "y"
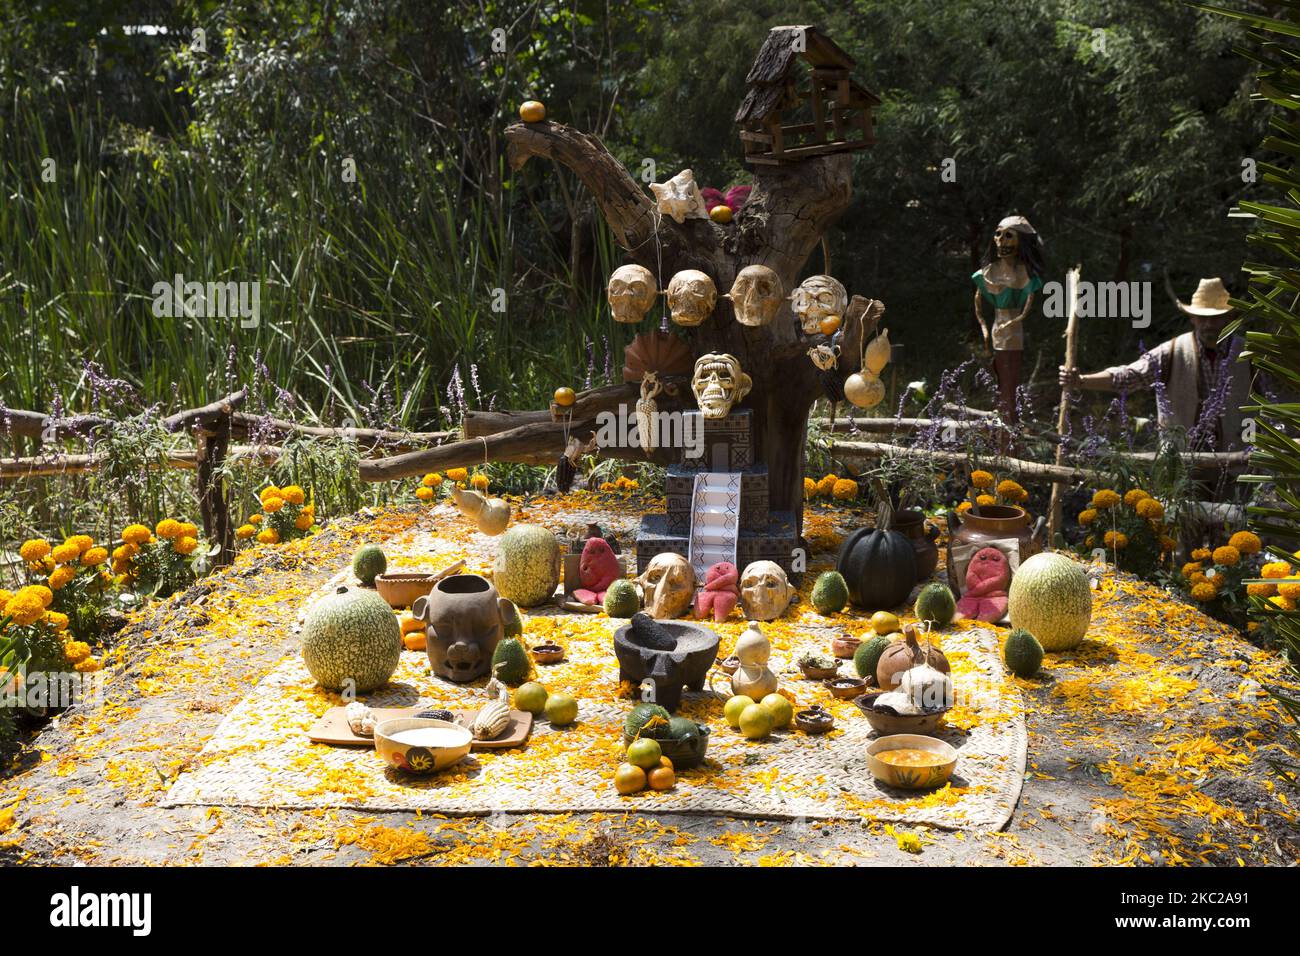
{"x": 1063, "y": 415}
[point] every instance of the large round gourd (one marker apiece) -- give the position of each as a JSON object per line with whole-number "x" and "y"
{"x": 879, "y": 567}
{"x": 527, "y": 566}
{"x": 1050, "y": 597}
{"x": 351, "y": 641}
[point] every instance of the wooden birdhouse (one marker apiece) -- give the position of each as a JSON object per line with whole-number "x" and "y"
{"x": 802, "y": 101}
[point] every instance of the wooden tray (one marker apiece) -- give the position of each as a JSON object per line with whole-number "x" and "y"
{"x": 332, "y": 727}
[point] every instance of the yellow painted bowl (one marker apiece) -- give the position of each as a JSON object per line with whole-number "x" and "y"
{"x": 414, "y": 757}
{"x": 912, "y": 778}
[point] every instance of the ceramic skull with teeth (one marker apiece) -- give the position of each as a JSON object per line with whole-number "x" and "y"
{"x": 691, "y": 297}
{"x": 816, "y": 298}
{"x": 756, "y": 295}
{"x": 631, "y": 292}
{"x": 765, "y": 591}
{"x": 718, "y": 383}
{"x": 668, "y": 585}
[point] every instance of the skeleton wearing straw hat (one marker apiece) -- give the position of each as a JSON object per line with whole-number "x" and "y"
{"x": 1195, "y": 376}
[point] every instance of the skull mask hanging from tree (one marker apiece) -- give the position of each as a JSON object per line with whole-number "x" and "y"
{"x": 691, "y": 297}
{"x": 718, "y": 383}
{"x": 631, "y": 293}
{"x": 815, "y": 299}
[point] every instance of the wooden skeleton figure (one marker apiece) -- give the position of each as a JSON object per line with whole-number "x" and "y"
{"x": 647, "y": 411}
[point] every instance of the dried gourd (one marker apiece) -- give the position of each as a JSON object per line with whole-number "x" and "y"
{"x": 491, "y": 720}
{"x": 877, "y": 354}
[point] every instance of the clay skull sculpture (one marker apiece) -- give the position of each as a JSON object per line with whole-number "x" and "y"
{"x": 718, "y": 383}
{"x": 631, "y": 292}
{"x": 765, "y": 591}
{"x": 691, "y": 297}
{"x": 756, "y": 295}
{"x": 815, "y": 299}
{"x": 668, "y": 585}
{"x": 680, "y": 198}
{"x": 464, "y": 619}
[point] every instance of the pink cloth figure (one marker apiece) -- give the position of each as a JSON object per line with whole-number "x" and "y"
{"x": 987, "y": 577}
{"x": 720, "y": 592}
{"x": 712, "y": 197}
{"x": 597, "y": 570}
{"x": 737, "y": 196}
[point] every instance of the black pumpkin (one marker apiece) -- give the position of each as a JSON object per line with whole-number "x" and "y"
{"x": 879, "y": 567}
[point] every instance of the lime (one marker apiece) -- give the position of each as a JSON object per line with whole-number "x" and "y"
{"x": 733, "y": 708}
{"x": 645, "y": 753}
{"x": 561, "y": 710}
{"x": 756, "y": 721}
{"x": 531, "y": 697}
{"x": 781, "y": 710}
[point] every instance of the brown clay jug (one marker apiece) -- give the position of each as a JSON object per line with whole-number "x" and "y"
{"x": 993, "y": 523}
{"x": 903, "y": 655}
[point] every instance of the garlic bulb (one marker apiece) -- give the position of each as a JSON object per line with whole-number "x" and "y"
{"x": 361, "y": 719}
{"x": 878, "y": 353}
{"x": 926, "y": 688}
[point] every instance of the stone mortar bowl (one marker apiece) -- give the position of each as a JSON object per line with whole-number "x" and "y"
{"x": 686, "y": 665}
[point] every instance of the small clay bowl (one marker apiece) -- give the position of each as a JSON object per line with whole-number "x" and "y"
{"x": 819, "y": 673}
{"x": 814, "y": 720}
{"x": 729, "y": 665}
{"x": 415, "y": 759}
{"x": 548, "y": 653}
{"x": 883, "y": 722}
{"x": 401, "y": 589}
{"x": 911, "y": 778}
{"x": 844, "y": 646}
{"x": 845, "y": 688}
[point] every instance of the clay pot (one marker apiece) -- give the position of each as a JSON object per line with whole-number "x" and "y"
{"x": 729, "y": 665}
{"x": 911, "y": 778}
{"x": 814, "y": 720}
{"x": 818, "y": 673}
{"x": 845, "y": 688}
{"x": 903, "y": 655}
{"x": 993, "y": 523}
{"x": 464, "y": 618}
{"x": 923, "y": 535}
{"x": 548, "y": 653}
{"x": 886, "y": 722}
{"x": 401, "y": 589}
{"x": 844, "y": 646}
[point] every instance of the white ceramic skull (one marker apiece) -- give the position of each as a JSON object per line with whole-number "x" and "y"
{"x": 718, "y": 383}
{"x": 691, "y": 297}
{"x": 668, "y": 585}
{"x": 816, "y": 298}
{"x": 756, "y": 295}
{"x": 631, "y": 292}
{"x": 680, "y": 198}
{"x": 765, "y": 591}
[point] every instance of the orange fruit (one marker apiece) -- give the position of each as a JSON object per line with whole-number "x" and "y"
{"x": 720, "y": 214}
{"x": 662, "y": 778}
{"x": 830, "y": 324}
{"x": 532, "y": 112}
{"x": 665, "y": 762}
{"x": 882, "y": 622}
{"x": 644, "y": 753}
{"x": 415, "y": 640}
{"x": 565, "y": 396}
{"x": 629, "y": 778}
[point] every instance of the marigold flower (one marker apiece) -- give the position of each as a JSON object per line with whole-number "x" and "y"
{"x": 424, "y": 494}
{"x": 1247, "y": 542}
{"x": 845, "y": 489}
{"x": 1087, "y": 516}
{"x": 41, "y": 592}
{"x": 1202, "y": 554}
{"x": 88, "y": 666}
{"x": 1200, "y": 577}
{"x": 255, "y": 519}
{"x": 270, "y": 491}
{"x": 1204, "y": 592}
{"x": 293, "y": 494}
{"x": 1150, "y": 509}
{"x": 1115, "y": 539}
{"x": 608, "y": 486}
{"x": 826, "y": 487}
{"x": 1261, "y": 589}
{"x": 61, "y": 576}
{"x": 1191, "y": 567}
{"x": 1285, "y": 603}
{"x": 809, "y": 488}
{"x": 65, "y": 553}
{"x": 34, "y": 549}
{"x": 1226, "y": 555}
{"x": 963, "y": 507}
{"x": 272, "y": 504}
{"x": 1276, "y": 569}
{"x": 125, "y": 552}
{"x": 136, "y": 534}
{"x": 457, "y": 474}
{"x": 981, "y": 479}
{"x": 1105, "y": 498}
{"x": 431, "y": 480}
{"x": 24, "y": 608}
{"x": 985, "y": 500}
{"x": 480, "y": 482}
{"x": 1011, "y": 489}
{"x": 303, "y": 521}
{"x": 1089, "y": 541}
{"x": 268, "y": 536}
{"x": 1289, "y": 590}
{"x": 186, "y": 545}
{"x": 245, "y": 531}
{"x": 1167, "y": 543}
{"x": 84, "y": 542}
{"x": 94, "y": 557}
{"x": 1133, "y": 496}
{"x": 76, "y": 651}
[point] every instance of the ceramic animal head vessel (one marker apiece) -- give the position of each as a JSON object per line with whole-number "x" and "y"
{"x": 691, "y": 297}
{"x": 680, "y": 198}
{"x": 718, "y": 383}
{"x": 668, "y": 584}
{"x": 464, "y": 619}
{"x": 631, "y": 292}
{"x": 765, "y": 591}
{"x": 756, "y": 295}
{"x": 815, "y": 299}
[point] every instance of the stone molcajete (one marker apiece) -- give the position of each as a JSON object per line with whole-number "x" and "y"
{"x": 464, "y": 621}
{"x": 672, "y": 654}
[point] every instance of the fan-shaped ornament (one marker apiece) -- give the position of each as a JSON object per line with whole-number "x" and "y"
{"x": 660, "y": 352}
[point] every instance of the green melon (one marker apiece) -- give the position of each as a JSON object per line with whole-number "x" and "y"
{"x": 680, "y": 728}
{"x": 1050, "y": 598}
{"x": 621, "y": 600}
{"x": 510, "y": 663}
{"x": 867, "y": 656}
{"x": 641, "y": 715}
{"x": 351, "y": 641}
{"x": 527, "y": 566}
{"x": 368, "y": 563}
{"x": 936, "y": 603}
{"x": 1023, "y": 653}
{"x": 830, "y": 594}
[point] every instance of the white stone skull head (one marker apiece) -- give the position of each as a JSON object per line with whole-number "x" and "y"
{"x": 718, "y": 383}
{"x": 668, "y": 585}
{"x": 756, "y": 295}
{"x": 765, "y": 591}
{"x": 816, "y": 298}
{"x": 691, "y": 297}
{"x": 631, "y": 292}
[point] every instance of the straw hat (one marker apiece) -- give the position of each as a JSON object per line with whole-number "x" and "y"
{"x": 1210, "y": 298}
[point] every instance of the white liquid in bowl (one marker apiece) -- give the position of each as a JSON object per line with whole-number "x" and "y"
{"x": 430, "y": 737}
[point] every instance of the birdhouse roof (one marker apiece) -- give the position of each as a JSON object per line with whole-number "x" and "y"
{"x": 774, "y": 70}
